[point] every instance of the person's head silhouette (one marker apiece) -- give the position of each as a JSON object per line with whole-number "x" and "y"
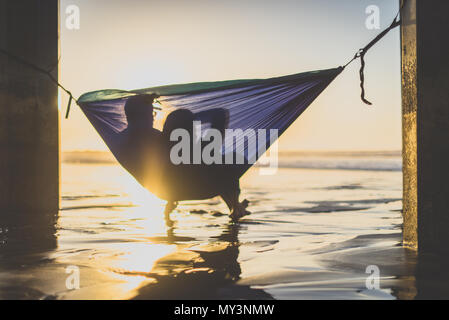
{"x": 139, "y": 111}
{"x": 178, "y": 119}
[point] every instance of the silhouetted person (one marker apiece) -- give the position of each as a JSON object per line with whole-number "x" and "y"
{"x": 148, "y": 158}
{"x": 144, "y": 146}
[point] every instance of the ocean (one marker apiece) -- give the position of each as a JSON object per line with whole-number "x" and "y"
{"x": 318, "y": 228}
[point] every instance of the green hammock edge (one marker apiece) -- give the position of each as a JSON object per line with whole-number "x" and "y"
{"x": 195, "y": 87}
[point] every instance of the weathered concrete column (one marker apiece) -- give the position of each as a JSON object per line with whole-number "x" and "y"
{"x": 29, "y": 116}
{"x": 425, "y": 109}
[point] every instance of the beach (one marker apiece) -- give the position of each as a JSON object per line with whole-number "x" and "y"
{"x": 314, "y": 229}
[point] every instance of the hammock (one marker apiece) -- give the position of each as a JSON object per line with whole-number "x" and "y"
{"x": 254, "y": 104}
{"x": 273, "y": 103}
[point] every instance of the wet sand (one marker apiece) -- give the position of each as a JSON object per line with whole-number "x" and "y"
{"x": 311, "y": 235}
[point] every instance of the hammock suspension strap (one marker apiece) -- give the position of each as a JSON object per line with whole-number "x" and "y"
{"x": 48, "y": 73}
{"x": 361, "y": 53}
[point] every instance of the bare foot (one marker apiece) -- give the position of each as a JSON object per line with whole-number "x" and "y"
{"x": 169, "y": 207}
{"x": 239, "y": 212}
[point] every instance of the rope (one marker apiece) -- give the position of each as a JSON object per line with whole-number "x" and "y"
{"x": 45, "y": 72}
{"x": 361, "y": 53}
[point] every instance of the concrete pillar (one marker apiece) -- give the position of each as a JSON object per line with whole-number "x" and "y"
{"x": 425, "y": 110}
{"x": 29, "y": 116}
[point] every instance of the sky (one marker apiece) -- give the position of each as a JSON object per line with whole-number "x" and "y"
{"x": 132, "y": 44}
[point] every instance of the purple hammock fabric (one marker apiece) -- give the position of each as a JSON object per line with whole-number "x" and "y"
{"x": 273, "y": 103}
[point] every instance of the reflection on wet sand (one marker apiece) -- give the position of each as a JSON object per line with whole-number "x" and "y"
{"x": 203, "y": 272}
{"x": 432, "y": 277}
{"x": 25, "y": 240}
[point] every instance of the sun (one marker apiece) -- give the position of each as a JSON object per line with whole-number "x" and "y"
{"x": 138, "y": 195}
